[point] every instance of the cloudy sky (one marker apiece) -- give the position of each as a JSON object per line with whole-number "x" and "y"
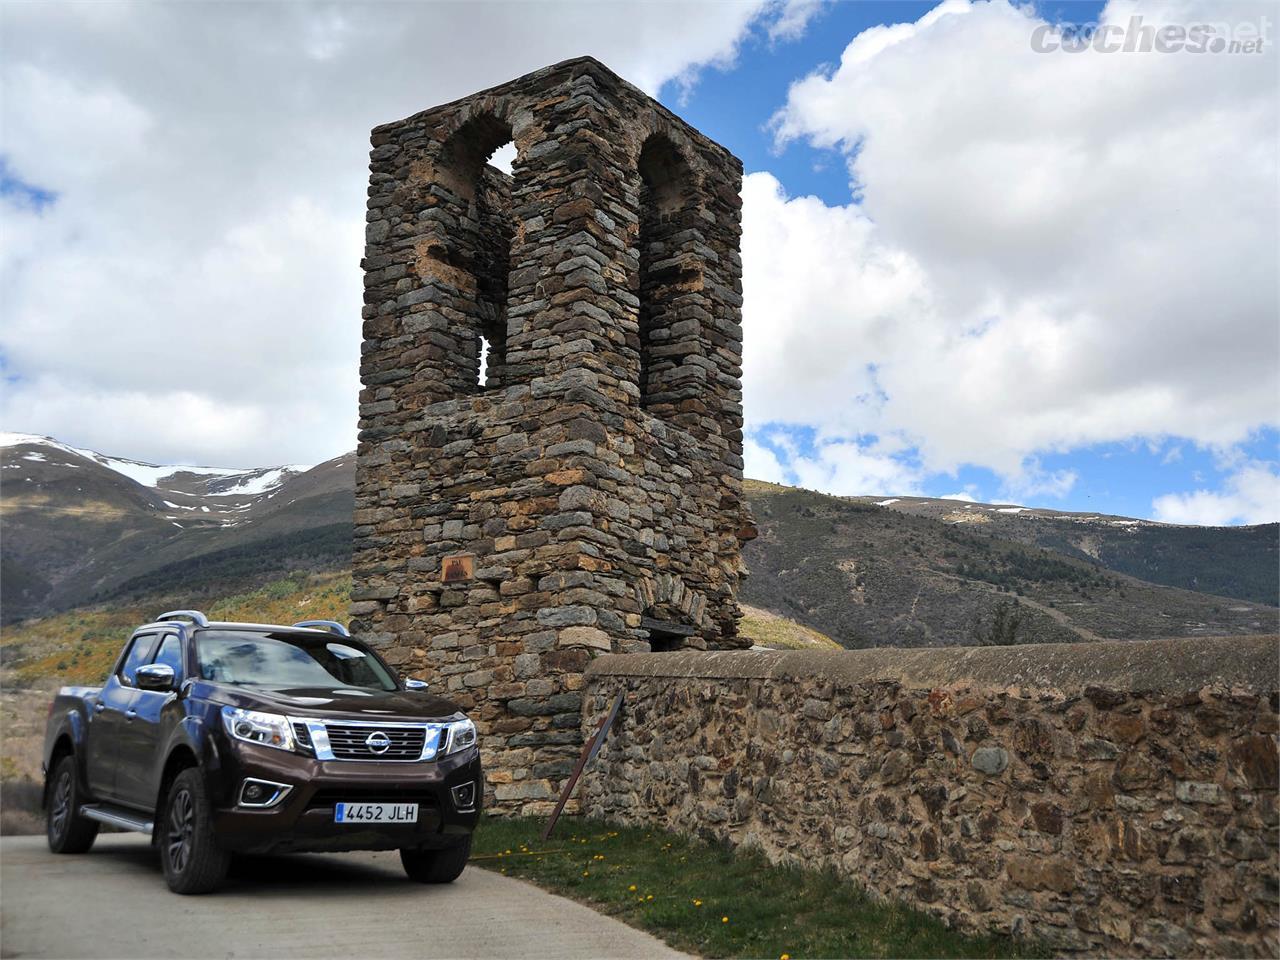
{"x": 973, "y": 268}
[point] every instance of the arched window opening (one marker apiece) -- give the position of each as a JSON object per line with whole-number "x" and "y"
{"x": 666, "y": 211}
{"x": 467, "y": 152}
{"x": 481, "y": 239}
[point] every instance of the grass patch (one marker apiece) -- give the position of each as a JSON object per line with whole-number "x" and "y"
{"x": 765, "y": 629}
{"x": 299, "y": 596}
{"x": 756, "y": 488}
{"x": 80, "y": 646}
{"x": 710, "y": 900}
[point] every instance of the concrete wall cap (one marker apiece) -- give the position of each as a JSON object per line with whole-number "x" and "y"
{"x": 1250, "y": 664}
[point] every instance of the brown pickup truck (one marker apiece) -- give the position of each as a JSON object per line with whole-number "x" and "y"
{"x": 224, "y": 738}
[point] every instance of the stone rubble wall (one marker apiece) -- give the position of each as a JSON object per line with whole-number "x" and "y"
{"x": 1110, "y": 798}
{"x": 555, "y": 491}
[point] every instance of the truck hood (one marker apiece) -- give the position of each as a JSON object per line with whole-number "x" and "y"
{"x": 352, "y": 703}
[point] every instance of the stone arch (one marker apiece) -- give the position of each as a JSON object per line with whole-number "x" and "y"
{"x": 666, "y": 176}
{"x": 466, "y": 152}
{"x": 669, "y": 275}
{"x": 669, "y": 595}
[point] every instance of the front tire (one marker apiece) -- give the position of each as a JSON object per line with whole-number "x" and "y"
{"x": 68, "y": 832}
{"x": 193, "y": 862}
{"x": 436, "y": 866}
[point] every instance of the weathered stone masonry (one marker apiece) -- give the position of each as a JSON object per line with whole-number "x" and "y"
{"x": 587, "y": 496}
{"x": 1111, "y": 799}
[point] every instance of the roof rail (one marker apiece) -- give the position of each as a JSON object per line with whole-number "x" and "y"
{"x": 195, "y": 616}
{"x": 331, "y": 625}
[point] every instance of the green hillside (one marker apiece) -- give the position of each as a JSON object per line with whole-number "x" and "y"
{"x": 867, "y": 576}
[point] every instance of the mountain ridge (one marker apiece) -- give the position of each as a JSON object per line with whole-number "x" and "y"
{"x": 869, "y": 576}
{"x": 1245, "y": 557}
{"x": 187, "y": 479}
{"x": 83, "y": 527}
{"x": 78, "y": 524}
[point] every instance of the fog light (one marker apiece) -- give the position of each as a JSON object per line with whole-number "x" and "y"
{"x": 262, "y": 793}
{"x": 464, "y": 796}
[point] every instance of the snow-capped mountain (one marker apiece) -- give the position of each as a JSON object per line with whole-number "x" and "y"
{"x": 185, "y": 479}
{"x": 79, "y": 523}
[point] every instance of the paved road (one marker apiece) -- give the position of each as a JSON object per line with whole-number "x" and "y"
{"x": 112, "y": 902}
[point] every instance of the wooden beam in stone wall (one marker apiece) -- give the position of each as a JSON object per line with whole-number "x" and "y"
{"x": 667, "y": 626}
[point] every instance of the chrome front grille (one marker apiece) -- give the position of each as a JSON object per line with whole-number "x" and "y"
{"x": 350, "y": 742}
{"x": 369, "y": 740}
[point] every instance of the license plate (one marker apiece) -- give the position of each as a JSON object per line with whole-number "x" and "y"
{"x": 375, "y": 813}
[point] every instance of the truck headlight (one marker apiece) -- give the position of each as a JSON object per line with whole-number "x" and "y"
{"x": 456, "y": 736}
{"x": 252, "y": 726}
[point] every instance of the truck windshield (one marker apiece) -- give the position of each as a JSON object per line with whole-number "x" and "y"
{"x": 289, "y": 660}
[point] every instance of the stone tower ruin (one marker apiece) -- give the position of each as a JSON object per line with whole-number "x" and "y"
{"x": 550, "y": 456}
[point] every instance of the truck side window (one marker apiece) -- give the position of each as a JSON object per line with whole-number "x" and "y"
{"x": 138, "y": 654}
{"x": 170, "y": 653}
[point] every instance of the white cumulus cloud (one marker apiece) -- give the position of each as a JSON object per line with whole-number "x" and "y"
{"x": 1250, "y": 495}
{"x": 193, "y": 293}
{"x": 1044, "y": 250}
{"x": 762, "y": 463}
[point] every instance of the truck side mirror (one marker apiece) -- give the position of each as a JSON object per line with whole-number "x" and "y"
{"x": 414, "y": 684}
{"x": 154, "y": 676}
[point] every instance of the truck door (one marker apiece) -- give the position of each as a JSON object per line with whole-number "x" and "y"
{"x": 139, "y": 765}
{"x": 109, "y": 718}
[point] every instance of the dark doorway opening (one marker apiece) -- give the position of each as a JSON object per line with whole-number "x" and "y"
{"x": 666, "y": 635}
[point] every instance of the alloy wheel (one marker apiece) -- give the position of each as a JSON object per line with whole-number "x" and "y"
{"x": 182, "y": 828}
{"x": 61, "y": 811}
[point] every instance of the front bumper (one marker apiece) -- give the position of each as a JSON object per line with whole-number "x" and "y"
{"x": 304, "y": 819}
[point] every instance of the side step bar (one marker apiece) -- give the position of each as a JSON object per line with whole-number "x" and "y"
{"x": 117, "y": 817}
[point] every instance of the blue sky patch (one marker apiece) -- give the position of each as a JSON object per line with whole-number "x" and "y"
{"x": 22, "y": 194}
{"x": 1121, "y": 479}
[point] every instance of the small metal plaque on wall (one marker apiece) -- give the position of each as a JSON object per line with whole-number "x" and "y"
{"x": 457, "y": 568}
